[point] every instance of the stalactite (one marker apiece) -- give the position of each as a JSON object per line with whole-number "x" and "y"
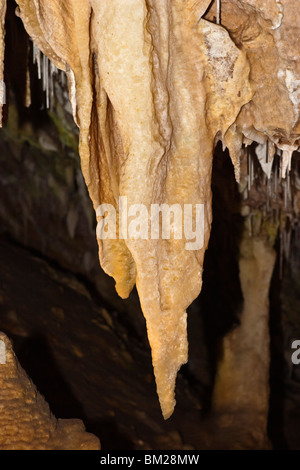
{"x": 218, "y": 11}
{"x": 137, "y": 116}
{"x": 28, "y": 89}
{"x": 37, "y": 60}
{"x": 48, "y": 73}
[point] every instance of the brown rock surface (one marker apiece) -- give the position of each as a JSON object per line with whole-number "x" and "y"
{"x": 26, "y": 422}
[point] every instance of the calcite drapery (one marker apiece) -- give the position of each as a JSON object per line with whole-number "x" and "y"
{"x": 152, "y": 85}
{"x": 268, "y": 31}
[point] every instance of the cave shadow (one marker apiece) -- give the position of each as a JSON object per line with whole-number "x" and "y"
{"x": 36, "y": 358}
{"x": 277, "y": 366}
{"x": 110, "y": 436}
{"x": 18, "y": 51}
{"x": 136, "y": 332}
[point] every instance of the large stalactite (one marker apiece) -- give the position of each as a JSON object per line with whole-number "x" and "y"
{"x": 154, "y": 85}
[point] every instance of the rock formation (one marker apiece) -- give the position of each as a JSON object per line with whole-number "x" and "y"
{"x": 241, "y": 393}
{"x": 26, "y": 420}
{"x": 154, "y": 85}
